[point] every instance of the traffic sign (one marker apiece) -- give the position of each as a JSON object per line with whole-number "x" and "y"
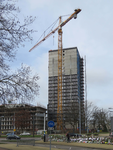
{"x": 39, "y": 115}
{"x": 50, "y": 128}
{"x": 51, "y": 124}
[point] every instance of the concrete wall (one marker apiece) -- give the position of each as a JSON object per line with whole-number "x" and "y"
{"x": 69, "y": 62}
{"x": 53, "y": 63}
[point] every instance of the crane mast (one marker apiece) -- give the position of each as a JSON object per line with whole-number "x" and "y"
{"x": 59, "y": 28}
{"x": 59, "y": 105}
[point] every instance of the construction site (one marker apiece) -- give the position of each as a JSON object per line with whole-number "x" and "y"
{"x": 65, "y": 83}
{"x": 72, "y": 88}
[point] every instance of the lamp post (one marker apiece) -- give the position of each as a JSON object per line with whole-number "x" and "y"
{"x": 111, "y": 119}
{"x": 0, "y": 123}
{"x": 0, "y": 126}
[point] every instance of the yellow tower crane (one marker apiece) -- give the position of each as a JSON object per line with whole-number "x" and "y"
{"x": 59, "y": 28}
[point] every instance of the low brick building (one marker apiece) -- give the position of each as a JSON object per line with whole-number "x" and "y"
{"x": 21, "y": 117}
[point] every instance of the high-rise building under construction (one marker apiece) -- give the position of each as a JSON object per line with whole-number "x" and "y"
{"x": 72, "y": 87}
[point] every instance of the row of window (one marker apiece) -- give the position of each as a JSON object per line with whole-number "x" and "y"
{"x": 67, "y": 94}
{"x": 68, "y": 91}
{"x": 12, "y": 127}
{"x": 64, "y": 82}
{"x": 7, "y": 119}
{"x": 52, "y": 87}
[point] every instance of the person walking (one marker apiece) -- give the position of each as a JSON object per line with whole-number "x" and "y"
{"x": 68, "y": 137}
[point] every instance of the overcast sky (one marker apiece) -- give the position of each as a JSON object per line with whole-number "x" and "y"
{"x": 91, "y": 33}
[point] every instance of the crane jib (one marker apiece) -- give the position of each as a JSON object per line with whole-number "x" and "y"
{"x": 61, "y": 25}
{"x": 44, "y": 38}
{"x": 68, "y": 19}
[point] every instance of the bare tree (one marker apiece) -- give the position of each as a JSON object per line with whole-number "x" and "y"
{"x": 71, "y": 116}
{"x": 21, "y": 84}
{"x": 22, "y": 119}
{"x": 100, "y": 119}
{"x": 90, "y": 110}
{"x": 12, "y": 32}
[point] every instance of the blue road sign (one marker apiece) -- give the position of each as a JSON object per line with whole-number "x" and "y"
{"x": 51, "y": 124}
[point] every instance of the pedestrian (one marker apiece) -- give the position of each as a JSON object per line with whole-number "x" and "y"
{"x": 68, "y": 137}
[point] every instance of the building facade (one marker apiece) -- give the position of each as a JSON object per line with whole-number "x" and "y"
{"x": 72, "y": 87}
{"x": 21, "y": 117}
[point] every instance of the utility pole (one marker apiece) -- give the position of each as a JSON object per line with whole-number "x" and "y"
{"x": 86, "y": 97}
{"x": 111, "y": 119}
{"x": 14, "y": 123}
{"x": 0, "y": 126}
{"x": 44, "y": 127}
{"x": 33, "y": 125}
{"x": 79, "y": 116}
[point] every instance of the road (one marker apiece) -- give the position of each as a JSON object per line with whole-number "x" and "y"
{"x": 65, "y": 147}
{"x": 36, "y": 138}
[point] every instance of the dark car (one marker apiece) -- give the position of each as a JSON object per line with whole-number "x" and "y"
{"x": 12, "y": 137}
{"x": 8, "y": 134}
{"x": 75, "y": 135}
{"x": 12, "y": 133}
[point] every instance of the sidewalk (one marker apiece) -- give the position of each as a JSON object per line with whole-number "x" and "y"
{"x": 85, "y": 145}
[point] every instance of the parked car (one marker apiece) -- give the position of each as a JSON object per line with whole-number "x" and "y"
{"x": 8, "y": 134}
{"x": 12, "y": 137}
{"x": 12, "y": 133}
{"x": 25, "y": 133}
{"x": 75, "y": 135}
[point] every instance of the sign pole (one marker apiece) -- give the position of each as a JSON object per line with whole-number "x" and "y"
{"x": 50, "y": 139}
{"x": 50, "y": 125}
{"x": 44, "y": 127}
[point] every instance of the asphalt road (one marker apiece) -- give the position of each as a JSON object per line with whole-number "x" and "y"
{"x": 65, "y": 147}
{"x": 36, "y": 138}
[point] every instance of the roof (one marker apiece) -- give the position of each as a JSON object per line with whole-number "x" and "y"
{"x": 64, "y": 49}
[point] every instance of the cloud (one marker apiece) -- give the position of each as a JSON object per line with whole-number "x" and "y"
{"x": 99, "y": 77}
{"x": 91, "y": 32}
{"x": 41, "y": 66}
{"x": 38, "y": 4}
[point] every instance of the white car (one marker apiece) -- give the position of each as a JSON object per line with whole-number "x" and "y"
{"x": 25, "y": 133}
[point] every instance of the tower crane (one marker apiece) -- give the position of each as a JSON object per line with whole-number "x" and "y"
{"x": 59, "y": 28}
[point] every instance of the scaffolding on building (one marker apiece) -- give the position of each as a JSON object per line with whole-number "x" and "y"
{"x": 72, "y": 93}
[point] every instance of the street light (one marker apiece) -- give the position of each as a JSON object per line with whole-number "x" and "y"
{"x": 0, "y": 123}
{"x": 111, "y": 119}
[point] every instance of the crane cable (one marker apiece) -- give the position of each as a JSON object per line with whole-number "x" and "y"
{"x": 53, "y": 24}
{"x": 43, "y": 34}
